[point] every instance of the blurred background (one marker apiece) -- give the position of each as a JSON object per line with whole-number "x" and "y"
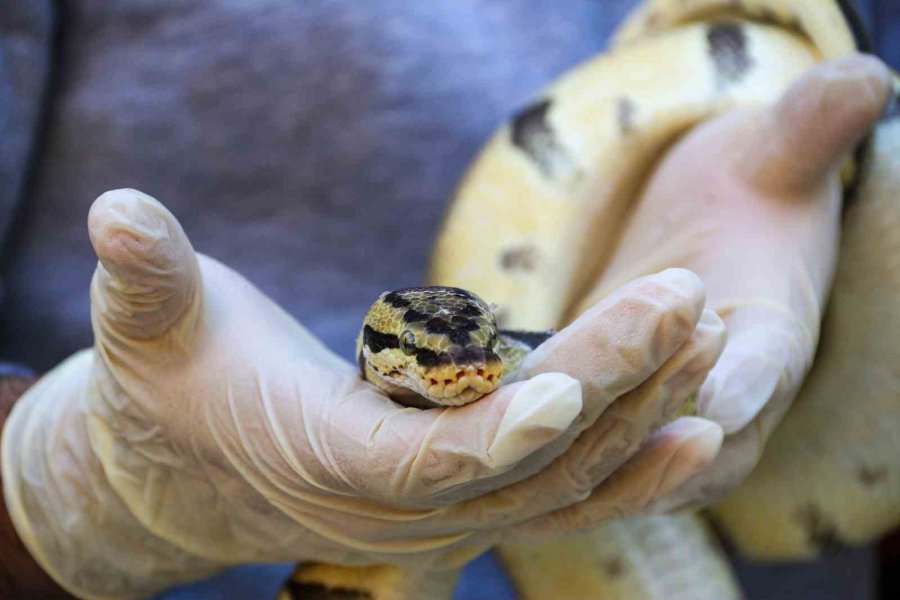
{"x": 295, "y": 141}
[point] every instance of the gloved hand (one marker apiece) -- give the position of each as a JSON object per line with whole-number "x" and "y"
{"x": 207, "y": 428}
{"x": 751, "y": 202}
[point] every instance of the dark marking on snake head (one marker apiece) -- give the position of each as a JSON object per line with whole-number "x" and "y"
{"x": 458, "y": 334}
{"x": 871, "y": 476}
{"x": 377, "y": 341}
{"x": 396, "y": 299}
{"x": 519, "y": 258}
{"x": 438, "y": 325}
{"x": 414, "y": 316}
{"x": 533, "y": 135}
{"x": 436, "y": 289}
{"x": 299, "y": 590}
{"x": 472, "y": 355}
{"x": 463, "y": 355}
{"x": 464, "y": 323}
{"x": 458, "y": 292}
{"x": 430, "y": 358}
{"x": 460, "y": 337}
{"x": 625, "y": 110}
{"x": 727, "y": 44}
{"x": 821, "y": 532}
{"x": 469, "y": 311}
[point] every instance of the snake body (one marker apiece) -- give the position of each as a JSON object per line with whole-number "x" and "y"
{"x": 522, "y": 231}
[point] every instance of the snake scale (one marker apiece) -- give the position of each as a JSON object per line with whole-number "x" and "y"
{"x": 521, "y": 232}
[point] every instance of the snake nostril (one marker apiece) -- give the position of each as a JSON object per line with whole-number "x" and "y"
{"x": 481, "y": 372}
{"x": 448, "y": 381}
{"x": 434, "y": 381}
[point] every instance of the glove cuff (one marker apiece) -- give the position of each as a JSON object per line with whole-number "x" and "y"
{"x": 63, "y": 507}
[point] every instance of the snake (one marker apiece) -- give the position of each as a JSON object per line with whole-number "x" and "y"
{"x": 438, "y": 346}
{"x": 522, "y": 231}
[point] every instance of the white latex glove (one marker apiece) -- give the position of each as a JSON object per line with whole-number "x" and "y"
{"x": 751, "y": 202}
{"x": 207, "y": 428}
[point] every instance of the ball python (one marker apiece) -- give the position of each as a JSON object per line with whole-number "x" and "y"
{"x": 438, "y": 346}
{"x": 521, "y": 230}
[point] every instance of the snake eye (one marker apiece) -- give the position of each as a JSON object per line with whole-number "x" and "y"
{"x": 408, "y": 343}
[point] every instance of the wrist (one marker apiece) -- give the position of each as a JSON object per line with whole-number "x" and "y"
{"x": 20, "y": 575}
{"x": 61, "y": 502}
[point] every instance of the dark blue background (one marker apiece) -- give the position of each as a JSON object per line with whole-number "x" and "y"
{"x": 294, "y": 140}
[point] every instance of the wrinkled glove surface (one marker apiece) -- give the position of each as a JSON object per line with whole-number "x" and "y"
{"x": 751, "y": 202}
{"x": 207, "y": 428}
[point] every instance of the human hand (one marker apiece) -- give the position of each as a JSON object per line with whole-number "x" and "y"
{"x": 207, "y": 428}
{"x": 751, "y": 202}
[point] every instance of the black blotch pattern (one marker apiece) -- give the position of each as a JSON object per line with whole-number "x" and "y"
{"x": 469, "y": 311}
{"x": 463, "y": 323}
{"x": 871, "y": 476}
{"x": 727, "y": 44}
{"x": 532, "y": 134}
{"x": 530, "y": 338}
{"x": 378, "y": 341}
{"x": 414, "y": 316}
{"x": 821, "y": 532}
{"x": 438, "y": 325}
{"x": 473, "y": 355}
{"x": 522, "y": 258}
{"x": 458, "y": 334}
{"x": 430, "y": 358}
{"x": 797, "y": 25}
{"x": 625, "y": 111}
{"x": 454, "y": 291}
{"x": 452, "y": 313}
{"x": 396, "y": 299}
{"x": 317, "y": 591}
{"x": 460, "y": 337}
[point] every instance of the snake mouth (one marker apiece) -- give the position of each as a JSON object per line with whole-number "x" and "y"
{"x": 456, "y": 385}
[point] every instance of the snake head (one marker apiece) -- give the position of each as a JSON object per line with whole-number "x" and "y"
{"x": 438, "y": 343}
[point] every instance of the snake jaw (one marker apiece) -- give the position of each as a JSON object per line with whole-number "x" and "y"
{"x": 456, "y": 385}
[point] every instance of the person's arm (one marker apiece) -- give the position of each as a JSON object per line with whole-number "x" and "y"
{"x": 20, "y": 575}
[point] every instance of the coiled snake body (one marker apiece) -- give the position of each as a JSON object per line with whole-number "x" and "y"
{"x": 522, "y": 232}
